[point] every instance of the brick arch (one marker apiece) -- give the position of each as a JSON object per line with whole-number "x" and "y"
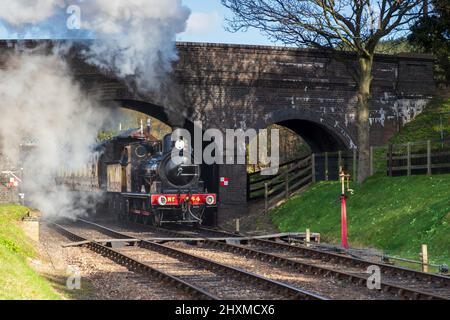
{"x": 169, "y": 116}
{"x": 209, "y": 173}
{"x": 322, "y": 134}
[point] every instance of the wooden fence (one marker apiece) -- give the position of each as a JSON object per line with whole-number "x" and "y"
{"x": 328, "y": 164}
{"x": 299, "y": 174}
{"x": 415, "y": 158}
{"x": 425, "y": 157}
{"x": 291, "y": 177}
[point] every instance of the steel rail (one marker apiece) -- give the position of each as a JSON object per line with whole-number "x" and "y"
{"x": 395, "y": 289}
{"x": 222, "y": 233}
{"x": 265, "y": 283}
{"x": 356, "y": 262}
{"x": 401, "y": 291}
{"x": 136, "y": 266}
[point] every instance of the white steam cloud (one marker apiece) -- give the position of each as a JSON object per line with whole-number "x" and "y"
{"x": 19, "y": 12}
{"x": 135, "y": 37}
{"x": 41, "y": 101}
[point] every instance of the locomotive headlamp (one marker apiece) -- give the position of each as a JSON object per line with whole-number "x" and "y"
{"x": 162, "y": 200}
{"x": 210, "y": 200}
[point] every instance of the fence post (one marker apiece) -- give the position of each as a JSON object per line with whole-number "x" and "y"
{"x": 307, "y": 237}
{"x": 390, "y": 159}
{"x": 424, "y": 258}
{"x": 371, "y": 161}
{"x": 408, "y": 161}
{"x": 266, "y": 197}
{"x": 248, "y": 187}
{"x": 313, "y": 167}
{"x": 326, "y": 166}
{"x": 355, "y": 155}
{"x": 287, "y": 185}
{"x": 238, "y": 226}
{"x": 429, "y": 157}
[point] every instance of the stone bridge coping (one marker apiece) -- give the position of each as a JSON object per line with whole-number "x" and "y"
{"x": 179, "y": 44}
{"x": 402, "y": 55}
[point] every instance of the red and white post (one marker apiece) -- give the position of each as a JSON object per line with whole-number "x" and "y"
{"x": 344, "y": 239}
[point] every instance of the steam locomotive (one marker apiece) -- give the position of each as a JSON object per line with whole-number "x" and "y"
{"x": 148, "y": 180}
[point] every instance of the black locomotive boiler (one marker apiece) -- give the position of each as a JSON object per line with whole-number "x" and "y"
{"x": 145, "y": 182}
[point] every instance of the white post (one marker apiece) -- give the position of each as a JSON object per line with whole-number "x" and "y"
{"x": 424, "y": 258}
{"x": 308, "y": 237}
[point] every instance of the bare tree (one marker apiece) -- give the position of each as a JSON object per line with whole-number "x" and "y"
{"x": 350, "y": 25}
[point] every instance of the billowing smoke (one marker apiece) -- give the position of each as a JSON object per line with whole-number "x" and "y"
{"x": 135, "y": 37}
{"x": 41, "y": 102}
{"x": 19, "y": 12}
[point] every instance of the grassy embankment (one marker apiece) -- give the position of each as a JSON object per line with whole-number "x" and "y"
{"x": 396, "y": 214}
{"x": 427, "y": 125}
{"x": 17, "y": 279}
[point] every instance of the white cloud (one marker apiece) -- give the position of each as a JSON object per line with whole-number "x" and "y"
{"x": 18, "y": 12}
{"x": 204, "y": 22}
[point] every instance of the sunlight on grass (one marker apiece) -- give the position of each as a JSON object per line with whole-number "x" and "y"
{"x": 396, "y": 215}
{"x": 17, "y": 279}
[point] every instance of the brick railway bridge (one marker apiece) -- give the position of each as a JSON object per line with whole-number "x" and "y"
{"x": 242, "y": 86}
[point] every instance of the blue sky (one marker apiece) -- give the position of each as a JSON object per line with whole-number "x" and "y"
{"x": 207, "y": 24}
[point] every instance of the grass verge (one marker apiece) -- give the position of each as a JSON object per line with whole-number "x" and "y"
{"x": 17, "y": 279}
{"x": 395, "y": 215}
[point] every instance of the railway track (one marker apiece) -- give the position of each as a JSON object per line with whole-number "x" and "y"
{"x": 396, "y": 281}
{"x": 205, "y": 232}
{"x": 422, "y": 283}
{"x": 409, "y": 283}
{"x": 399, "y": 287}
{"x": 401, "y": 282}
{"x": 204, "y": 278}
{"x": 176, "y": 231}
{"x": 134, "y": 265}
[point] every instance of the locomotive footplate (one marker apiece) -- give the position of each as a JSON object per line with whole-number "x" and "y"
{"x": 136, "y": 195}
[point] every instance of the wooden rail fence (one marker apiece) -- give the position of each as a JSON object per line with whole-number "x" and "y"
{"x": 415, "y": 158}
{"x": 291, "y": 177}
{"x": 298, "y": 174}
{"x": 424, "y": 157}
{"x": 328, "y": 164}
